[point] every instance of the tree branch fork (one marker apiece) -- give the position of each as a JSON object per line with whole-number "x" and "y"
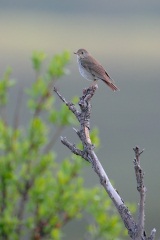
{"x": 136, "y": 229}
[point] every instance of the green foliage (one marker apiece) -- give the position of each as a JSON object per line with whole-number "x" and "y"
{"x": 5, "y": 84}
{"x": 37, "y": 59}
{"x": 57, "y": 64}
{"x": 39, "y": 196}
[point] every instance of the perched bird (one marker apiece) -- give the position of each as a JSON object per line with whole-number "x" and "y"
{"x": 91, "y": 69}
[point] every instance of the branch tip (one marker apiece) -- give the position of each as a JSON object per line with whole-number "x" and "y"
{"x": 62, "y": 138}
{"x": 152, "y": 235}
{"x": 54, "y": 89}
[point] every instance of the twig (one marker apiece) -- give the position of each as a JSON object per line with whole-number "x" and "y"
{"x": 40, "y": 103}
{"x": 22, "y": 203}
{"x": 152, "y": 235}
{"x": 74, "y": 150}
{"x": 42, "y": 99}
{"x": 141, "y": 189}
{"x": 71, "y": 106}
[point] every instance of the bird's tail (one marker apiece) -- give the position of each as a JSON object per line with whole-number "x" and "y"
{"x": 110, "y": 83}
{"x": 113, "y": 86}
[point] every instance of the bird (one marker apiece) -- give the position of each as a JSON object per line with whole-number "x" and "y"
{"x": 91, "y": 69}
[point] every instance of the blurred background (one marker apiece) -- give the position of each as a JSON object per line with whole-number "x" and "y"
{"x": 125, "y": 37}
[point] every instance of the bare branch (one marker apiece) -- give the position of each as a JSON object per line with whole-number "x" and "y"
{"x": 141, "y": 189}
{"x": 73, "y": 148}
{"x": 135, "y": 230}
{"x": 71, "y": 106}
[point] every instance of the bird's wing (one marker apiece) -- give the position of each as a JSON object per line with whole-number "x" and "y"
{"x": 95, "y": 68}
{"x": 99, "y": 72}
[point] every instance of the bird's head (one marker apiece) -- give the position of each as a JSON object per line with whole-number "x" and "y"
{"x": 81, "y": 53}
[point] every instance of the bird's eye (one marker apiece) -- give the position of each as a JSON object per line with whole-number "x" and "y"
{"x": 82, "y": 52}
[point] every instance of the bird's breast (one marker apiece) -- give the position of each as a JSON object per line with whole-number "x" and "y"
{"x": 85, "y": 73}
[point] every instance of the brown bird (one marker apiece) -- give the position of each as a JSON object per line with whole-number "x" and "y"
{"x": 91, "y": 69}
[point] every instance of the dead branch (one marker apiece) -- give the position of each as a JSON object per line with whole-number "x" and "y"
{"x": 141, "y": 189}
{"x": 135, "y": 229}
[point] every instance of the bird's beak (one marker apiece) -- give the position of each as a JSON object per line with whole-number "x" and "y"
{"x": 75, "y": 53}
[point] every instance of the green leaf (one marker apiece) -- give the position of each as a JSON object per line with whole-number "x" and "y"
{"x": 57, "y": 65}
{"x": 37, "y": 59}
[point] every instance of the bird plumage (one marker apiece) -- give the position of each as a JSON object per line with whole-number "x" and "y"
{"x": 91, "y": 69}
